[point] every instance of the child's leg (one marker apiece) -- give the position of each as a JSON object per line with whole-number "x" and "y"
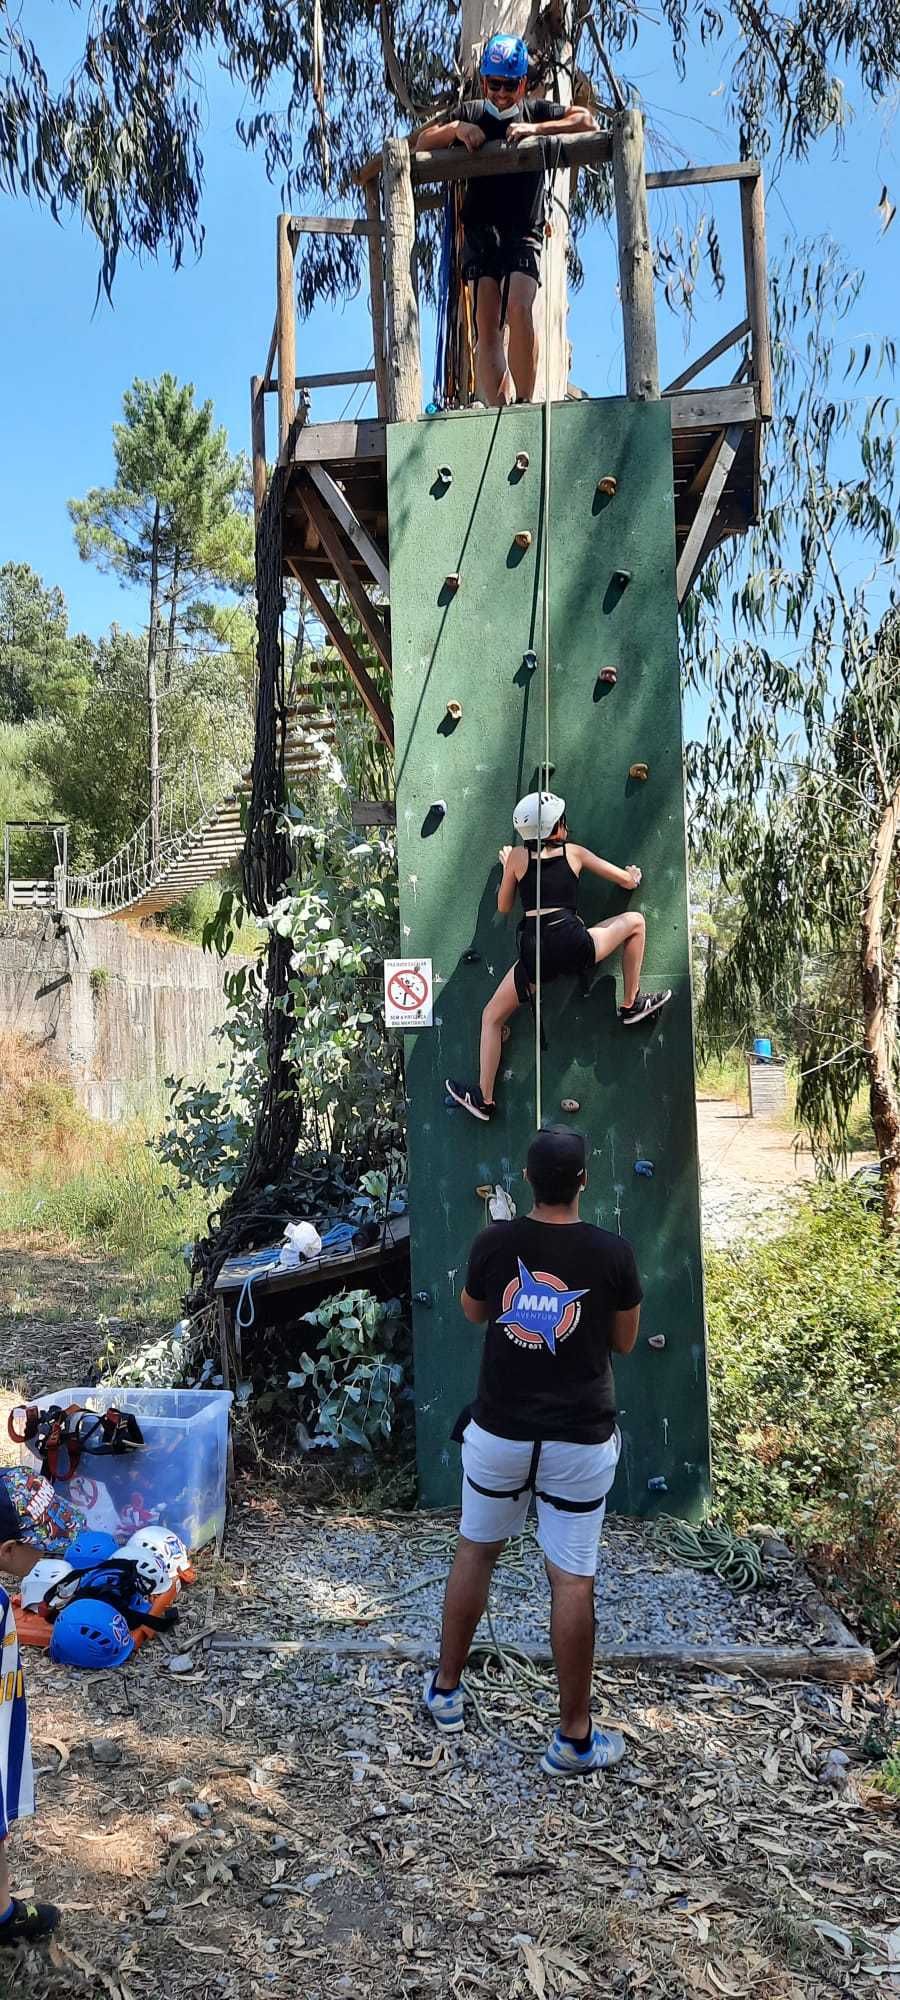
{"x": 18, "y": 1558}
{"x": 496, "y": 1014}
{"x": 495, "y": 383}
{"x": 630, "y": 931}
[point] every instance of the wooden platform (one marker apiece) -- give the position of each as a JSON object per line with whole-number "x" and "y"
{"x": 355, "y": 456}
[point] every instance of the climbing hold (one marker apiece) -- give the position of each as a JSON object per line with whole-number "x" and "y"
{"x": 639, "y": 771}
{"x": 644, "y": 1168}
{"x": 523, "y": 539}
{"x": 522, "y": 461}
{"x": 485, "y": 1191}
{"x": 608, "y": 676}
{"x": 608, "y": 485}
{"x": 454, "y": 711}
{"x": 656, "y": 1341}
{"x": 438, "y": 809}
{"x": 569, "y": 1104}
{"x": 621, "y": 577}
{"x": 453, "y": 581}
{"x": 445, "y": 475}
{"x": 422, "y": 1299}
{"x": 529, "y": 662}
{"x": 658, "y": 1485}
{"x": 471, "y": 958}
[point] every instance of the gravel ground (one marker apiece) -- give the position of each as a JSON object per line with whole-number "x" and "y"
{"x": 387, "y": 1578}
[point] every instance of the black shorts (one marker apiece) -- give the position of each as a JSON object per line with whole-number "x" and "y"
{"x": 567, "y": 949}
{"x": 487, "y": 253}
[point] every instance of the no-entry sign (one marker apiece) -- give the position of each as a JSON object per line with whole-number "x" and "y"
{"x": 408, "y": 993}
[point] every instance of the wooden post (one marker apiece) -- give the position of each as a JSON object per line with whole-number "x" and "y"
{"x": 635, "y": 258}
{"x": 376, "y": 291}
{"x": 404, "y": 360}
{"x": 258, "y": 442}
{"x": 753, "y": 227}
{"x": 287, "y": 336}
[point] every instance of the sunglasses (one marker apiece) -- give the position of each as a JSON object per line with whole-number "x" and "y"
{"x": 495, "y": 85}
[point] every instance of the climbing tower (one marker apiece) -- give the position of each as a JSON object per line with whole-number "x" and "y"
{"x": 534, "y": 560}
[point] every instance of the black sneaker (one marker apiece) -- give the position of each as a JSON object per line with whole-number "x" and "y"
{"x": 469, "y": 1096}
{"x": 643, "y": 1007}
{"x": 28, "y": 1922}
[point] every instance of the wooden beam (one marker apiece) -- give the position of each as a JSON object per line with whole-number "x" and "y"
{"x": 337, "y": 381}
{"x": 339, "y": 556}
{"x": 713, "y": 409}
{"x": 712, "y": 354}
{"x": 404, "y": 358}
{"x": 287, "y": 337}
{"x": 680, "y": 177}
{"x": 326, "y": 613}
{"x": 376, "y": 292}
{"x": 455, "y": 164}
{"x": 327, "y": 225}
{"x": 258, "y": 442}
{"x": 635, "y": 258}
{"x": 374, "y": 812}
{"x": 365, "y": 439}
{"x": 353, "y": 528}
{"x": 694, "y": 549}
{"x": 788, "y": 1663}
{"x": 753, "y": 229}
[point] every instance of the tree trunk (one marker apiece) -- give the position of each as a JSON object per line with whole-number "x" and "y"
{"x": 480, "y": 19}
{"x": 878, "y": 1028}
{"x": 152, "y": 698}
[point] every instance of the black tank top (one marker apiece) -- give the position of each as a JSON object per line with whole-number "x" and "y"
{"x": 559, "y": 883}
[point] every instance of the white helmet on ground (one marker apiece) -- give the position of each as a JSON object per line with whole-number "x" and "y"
{"x": 40, "y": 1579}
{"x": 537, "y": 814}
{"x": 160, "y": 1542}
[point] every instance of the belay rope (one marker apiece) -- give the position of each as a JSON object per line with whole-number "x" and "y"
{"x": 544, "y": 771}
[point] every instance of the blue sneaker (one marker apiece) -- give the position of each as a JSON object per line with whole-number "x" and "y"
{"x": 562, "y": 1760}
{"x": 446, "y": 1710}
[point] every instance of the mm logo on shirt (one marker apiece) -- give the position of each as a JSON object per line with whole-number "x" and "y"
{"x": 538, "y": 1311}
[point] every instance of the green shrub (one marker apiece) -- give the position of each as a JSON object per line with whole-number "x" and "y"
{"x": 804, "y": 1357}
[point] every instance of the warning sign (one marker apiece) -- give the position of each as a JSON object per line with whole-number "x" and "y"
{"x": 408, "y": 993}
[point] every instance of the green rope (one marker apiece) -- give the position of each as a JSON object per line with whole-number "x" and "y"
{"x": 735, "y": 1559}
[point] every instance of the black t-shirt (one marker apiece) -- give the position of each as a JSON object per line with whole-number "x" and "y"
{"x": 512, "y": 203}
{"x": 551, "y": 1290}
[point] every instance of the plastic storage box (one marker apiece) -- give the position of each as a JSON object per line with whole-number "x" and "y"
{"x": 177, "y": 1478}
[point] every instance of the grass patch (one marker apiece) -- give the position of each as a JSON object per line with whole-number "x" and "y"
{"x": 804, "y": 1361}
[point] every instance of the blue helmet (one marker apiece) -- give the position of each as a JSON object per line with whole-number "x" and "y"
{"x": 90, "y": 1633}
{"x": 505, "y": 56}
{"x": 90, "y": 1548}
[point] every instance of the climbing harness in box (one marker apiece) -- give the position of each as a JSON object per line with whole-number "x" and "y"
{"x": 59, "y": 1437}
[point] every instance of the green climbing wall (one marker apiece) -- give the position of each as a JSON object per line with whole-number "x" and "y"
{"x": 635, "y": 1087}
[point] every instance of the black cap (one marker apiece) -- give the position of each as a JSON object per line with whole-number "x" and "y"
{"x": 557, "y": 1157}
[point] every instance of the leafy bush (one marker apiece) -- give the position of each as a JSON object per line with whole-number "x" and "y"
{"x": 342, "y": 1390}
{"x": 804, "y": 1356}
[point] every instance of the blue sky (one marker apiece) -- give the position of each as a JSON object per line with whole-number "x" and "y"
{"x": 65, "y": 363}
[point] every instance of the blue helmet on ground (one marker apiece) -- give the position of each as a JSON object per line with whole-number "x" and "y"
{"x": 505, "y": 56}
{"x": 90, "y": 1548}
{"x": 90, "y": 1634}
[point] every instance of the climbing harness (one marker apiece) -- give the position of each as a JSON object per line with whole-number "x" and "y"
{"x": 530, "y": 1485}
{"x": 59, "y": 1437}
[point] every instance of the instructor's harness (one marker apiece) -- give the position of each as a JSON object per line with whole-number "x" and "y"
{"x": 530, "y": 1485}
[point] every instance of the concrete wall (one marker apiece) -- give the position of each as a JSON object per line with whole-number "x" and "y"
{"x": 634, "y": 1088}
{"x": 117, "y": 1009}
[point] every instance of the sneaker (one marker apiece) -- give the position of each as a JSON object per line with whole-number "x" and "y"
{"x": 562, "y": 1760}
{"x": 469, "y": 1096}
{"x": 643, "y": 1007}
{"x": 446, "y": 1710}
{"x": 27, "y": 1923}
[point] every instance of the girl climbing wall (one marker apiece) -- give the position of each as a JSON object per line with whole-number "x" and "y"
{"x": 545, "y": 871}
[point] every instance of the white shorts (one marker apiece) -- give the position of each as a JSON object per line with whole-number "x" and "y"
{"x": 565, "y": 1472}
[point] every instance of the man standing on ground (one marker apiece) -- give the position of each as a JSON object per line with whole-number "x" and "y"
{"x": 558, "y": 1297}
{"x": 503, "y": 216}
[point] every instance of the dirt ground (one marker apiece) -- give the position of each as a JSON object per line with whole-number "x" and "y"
{"x": 284, "y": 1824}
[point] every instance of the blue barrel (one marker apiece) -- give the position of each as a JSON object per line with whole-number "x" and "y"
{"x": 762, "y": 1048}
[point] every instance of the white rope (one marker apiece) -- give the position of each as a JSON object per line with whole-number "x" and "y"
{"x": 544, "y": 771}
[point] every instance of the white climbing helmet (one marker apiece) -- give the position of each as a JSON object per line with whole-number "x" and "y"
{"x": 162, "y": 1543}
{"x": 40, "y": 1579}
{"x": 537, "y": 814}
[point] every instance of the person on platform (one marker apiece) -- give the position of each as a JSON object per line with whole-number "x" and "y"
{"x": 503, "y": 216}
{"x": 558, "y": 1298}
{"x": 568, "y": 945}
{"x": 21, "y": 1920}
